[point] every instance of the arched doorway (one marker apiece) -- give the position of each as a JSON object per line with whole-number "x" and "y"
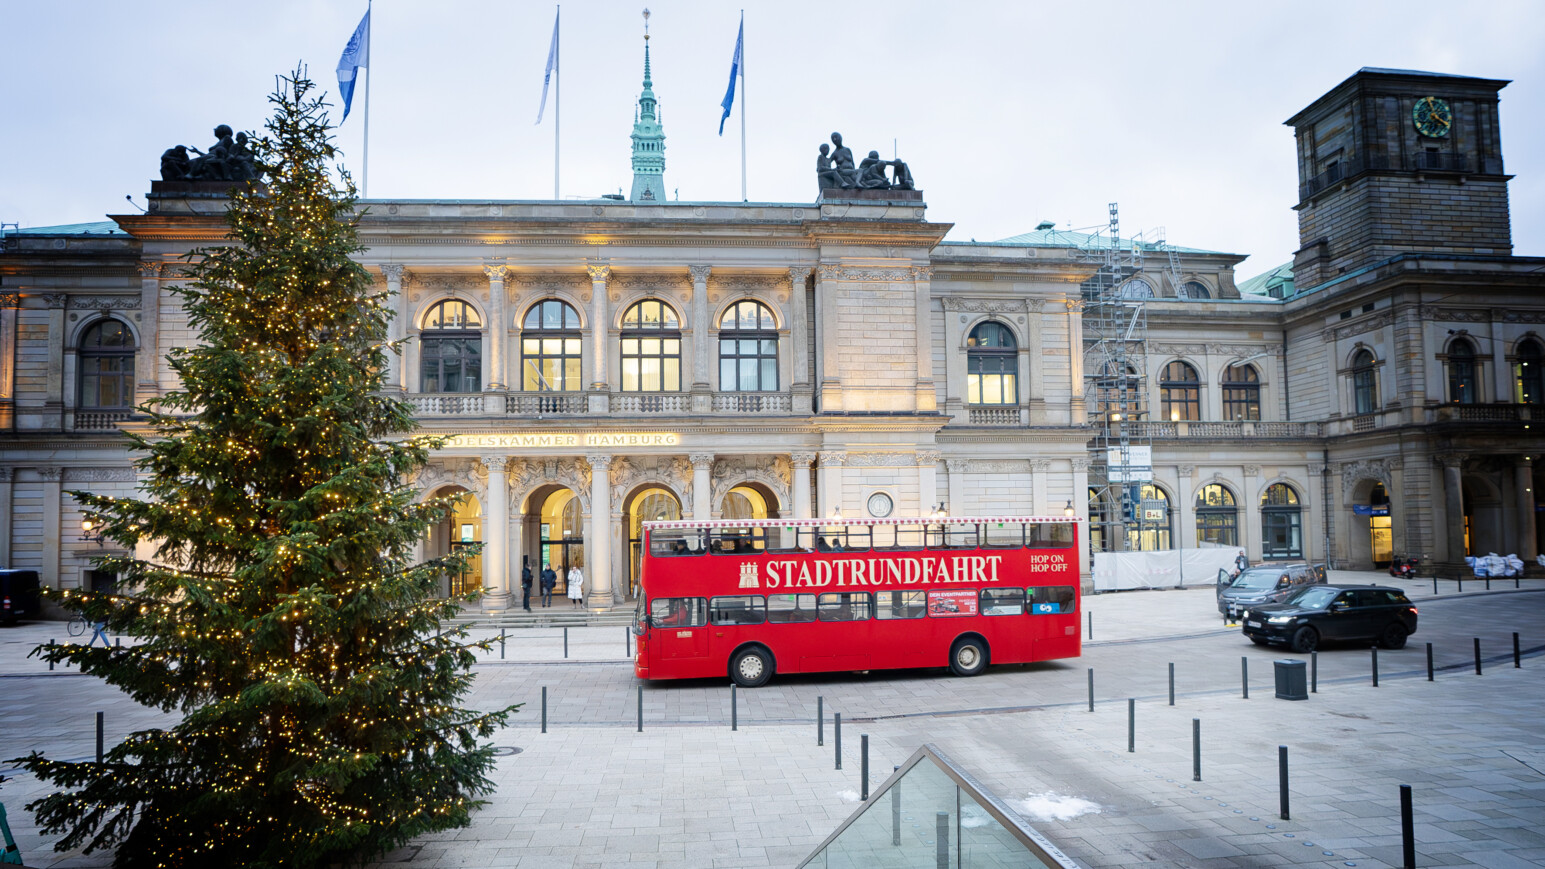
{"x": 1370, "y": 537}
{"x": 1484, "y": 525}
{"x": 555, "y": 535}
{"x": 751, "y": 500}
{"x": 650, "y": 504}
{"x": 461, "y": 527}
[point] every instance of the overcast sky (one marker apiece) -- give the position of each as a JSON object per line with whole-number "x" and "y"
{"x": 1008, "y": 113}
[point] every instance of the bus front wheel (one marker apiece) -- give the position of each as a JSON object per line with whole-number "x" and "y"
{"x": 751, "y": 668}
{"x": 968, "y": 657}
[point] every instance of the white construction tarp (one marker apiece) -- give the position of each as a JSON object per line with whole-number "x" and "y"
{"x": 1120, "y": 571}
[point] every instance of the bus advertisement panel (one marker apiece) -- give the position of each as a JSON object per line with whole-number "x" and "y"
{"x": 748, "y": 598}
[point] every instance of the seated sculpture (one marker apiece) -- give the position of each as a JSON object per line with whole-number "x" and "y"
{"x": 871, "y": 173}
{"x": 228, "y": 159}
{"x": 174, "y": 164}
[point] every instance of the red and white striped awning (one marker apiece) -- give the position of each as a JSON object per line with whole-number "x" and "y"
{"x": 832, "y": 522}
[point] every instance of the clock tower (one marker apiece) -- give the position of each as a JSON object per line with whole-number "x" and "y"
{"x": 1398, "y": 161}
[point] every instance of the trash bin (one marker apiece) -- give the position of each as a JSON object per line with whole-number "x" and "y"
{"x": 1292, "y": 680}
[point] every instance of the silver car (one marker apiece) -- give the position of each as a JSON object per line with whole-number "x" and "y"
{"x": 1268, "y": 583}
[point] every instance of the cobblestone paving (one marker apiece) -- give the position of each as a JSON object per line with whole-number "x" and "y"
{"x": 688, "y": 791}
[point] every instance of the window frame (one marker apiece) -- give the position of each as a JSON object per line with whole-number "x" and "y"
{"x": 735, "y": 335}
{"x": 466, "y": 337}
{"x": 1188, "y": 405}
{"x": 1188, "y": 290}
{"x": 534, "y": 380}
{"x": 1286, "y": 515}
{"x": 1463, "y": 370}
{"x": 1214, "y": 523}
{"x": 90, "y": 360}
{"x": 1365, "y": 382}
{"x": 979, "y": 356}
{"x": 1241, "y": 398}
{"x": 1529, "y": 351}
{"x": 640, "y": 332}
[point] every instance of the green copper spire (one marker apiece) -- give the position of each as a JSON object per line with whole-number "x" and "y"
{"x": 648, "y": 138}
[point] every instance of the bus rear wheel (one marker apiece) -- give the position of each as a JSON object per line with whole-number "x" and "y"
{"x": 751, "y": 668}
{"x": 968, "y": 657}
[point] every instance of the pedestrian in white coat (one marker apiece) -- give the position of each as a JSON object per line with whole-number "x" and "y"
{"x": 577, "y": 587}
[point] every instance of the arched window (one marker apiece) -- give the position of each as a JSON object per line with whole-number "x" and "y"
{"x": 992, "y": 365}
{"x": 1217, "y": 516}
{"x": 1529, "y": 373}
{"x": 1463, "y": 384}
{"x": 1281, "y": 523}
{"x": 550, "y": 348}
{"x": 651, "y": 348}
{"x": 1241, "y": 392}
{"x": 1365, "y": 388}
{"x": 1137, "y": 288}
{"x": 1195, "y": 290}
{"x": 451, "y": 349}
{"x": 748, "y": 349}
{"x": 107, "y": 366}
{"x": 1148, "y": 523}
{"x": 1124, "y": 393}
{"x": 1180, "y": 392}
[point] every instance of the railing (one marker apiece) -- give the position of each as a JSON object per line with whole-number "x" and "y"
{"x": 993, "y": 415}
{"x": 1439, "y": 162}
{"x": 1366, "y": 422}
{"x": 447, "y": 404}
{"x": 1483, "y": 413}
{"x": 751, "y": 402}
{"x": 1341, "y": 171}
{"x": 106, "y": 420}
{"x": 1235, "y": 430}
{"x": 650, "y": 403}
{"x": 545, "y": 403}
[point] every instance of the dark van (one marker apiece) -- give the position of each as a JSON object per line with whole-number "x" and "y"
{"x": 19, "y": 596}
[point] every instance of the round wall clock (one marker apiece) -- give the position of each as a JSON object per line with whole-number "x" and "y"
{"x": 1432, "y": 117}
{"x": 880, "y": 505}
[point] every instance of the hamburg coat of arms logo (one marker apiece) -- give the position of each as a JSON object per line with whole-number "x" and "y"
{"x": 748, "y": 575}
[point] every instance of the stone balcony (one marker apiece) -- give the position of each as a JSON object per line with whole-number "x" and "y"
{"x": 640, "y": 404}
{"x": 1236, "y": 430}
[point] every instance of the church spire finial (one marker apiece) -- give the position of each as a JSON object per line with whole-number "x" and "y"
{"x": 648, "y": 137}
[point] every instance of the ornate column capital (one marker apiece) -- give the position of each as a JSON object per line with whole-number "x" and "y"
{"x": 1081, "y": 464}
{"x": 1185, "y": 470}
{"x": 599, "y": 463}
{"x": 802, "y": 459}
{"x": 494, "y": 463}
{"x": 833, "y": 458}
{"x": 1252, "y": 470}
{"x": 1451, "y": 460}
{"x": 927, "y": 457}
{"x": 52, "y": 475}
{"x": 599, "y": 270}
{"x": 921, "y": 273}
{"x": 955, "y": 466}
{"x": 1073, "y": 304}
{"x": 495, "y": 270}
{"x": 1039, "y": 465}
{"x": 798, "y": 275}
{"x": 150, "y": 270}
{"x": 10, "y": 300}
{"x": 701, "y": 460}
{"x": 699, "y": 273}
{"x": 393, "y": 271}
{"x": 55, "y": 300}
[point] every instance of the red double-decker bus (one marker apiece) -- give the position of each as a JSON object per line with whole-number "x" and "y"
{"x": 749, "y": 598}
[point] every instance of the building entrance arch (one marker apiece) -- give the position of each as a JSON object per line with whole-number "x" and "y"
{"x": 1484, "y": 525}
{"x": 645, "y": 504}
{"x": 1370, "y": 540}
{"x": 554, "y": 535}
{"x": 460, "y": 528}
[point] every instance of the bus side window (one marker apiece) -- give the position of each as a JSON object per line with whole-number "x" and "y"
{"x": 1003, "y": 601}
{"x": 745, "y": 609}
{"x": 900, "y": 604}
{"x": 678, "y": 612}
{"x": 788, "y": 608}
{"x": 1052, "y": 599}
{"x": 1003, "y": 535}
{"x": 846, "y": 606}
{"x": 1049, "y": 535}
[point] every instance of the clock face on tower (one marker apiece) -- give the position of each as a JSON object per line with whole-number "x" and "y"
{"x": 1432, "y": 117}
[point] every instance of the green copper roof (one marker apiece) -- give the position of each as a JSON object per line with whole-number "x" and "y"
{"x": 1069, "y": 238}
{"x": 1277, "y": 283}
{"x": 101, "y": 227}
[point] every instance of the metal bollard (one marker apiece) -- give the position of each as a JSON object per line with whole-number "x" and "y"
{"x": 896, "y": 811}
{"x": 1282, "y": 778}
{"x": 1375, "y": 650}
{"x": 1172, "y": 684}
{"x": 1091, "y": 689}
{"x": 99, "y": 738}
{"x": 1429, "y": 662}
{"x": 1461, "y": 581}
{"x": 1244, "y": 676}
{"x": 1314, "y": 672}
{"x": 1131, "y": 725}
{"x": 1407, "y": 829}
{"x": 501, "y": 644}
{"x": 734, "y": 710}
{"x": 820, "y": 722}
{"x": 51, "y": 642}
{"x": 627, "y": 642}
{"x": 118, "y": 642}
{"x": 1435, "y": 583}
{"x": 565, "y": 642}
{"x": 1488, "y": 583}
{"x": 641, "y": 709}
{"x": 863, "y": 764}
{"x": 1196, "y": 749}
{"x": 544, "y": 708}
{"x": 1477, "y": 656}
{"x": 837, "y": 736}
{"x": 1517, "y": 658}
{"x": 1089, "y": 634}
{"x": 941, "y": 838}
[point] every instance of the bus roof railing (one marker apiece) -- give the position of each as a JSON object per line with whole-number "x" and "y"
{"x": 655, "y": 525}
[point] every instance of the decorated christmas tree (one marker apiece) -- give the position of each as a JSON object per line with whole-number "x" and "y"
{"x": 277, "y": 605}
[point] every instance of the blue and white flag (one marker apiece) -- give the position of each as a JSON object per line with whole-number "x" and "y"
{"x": 547, "y": 77}
{"x": 355, "y": 55}
{"x": 729, "y": 95}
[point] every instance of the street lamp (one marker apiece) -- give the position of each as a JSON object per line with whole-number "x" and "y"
{"x": 1068, "y": 511}
{"x": 91, "y": 531}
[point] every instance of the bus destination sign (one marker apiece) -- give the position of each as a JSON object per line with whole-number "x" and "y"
{"x": 886, "y": 571}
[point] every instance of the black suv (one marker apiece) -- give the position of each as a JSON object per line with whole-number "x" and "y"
{"x": 1332, "y": 612}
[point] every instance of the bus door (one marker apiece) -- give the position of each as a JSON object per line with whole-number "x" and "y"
{"x": 679, "y": 627}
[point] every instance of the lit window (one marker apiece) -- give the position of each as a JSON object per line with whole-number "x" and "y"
{"x": 1529, "y": 374}
{"x": 1217, "y": 516}
{"x": 1463, "y": 383}
{"x": 1180, "y": 392}
{"x": 1241, "y": 393}
{"x": 992, "y": 363}
{"x": 550, "y": 348}
{"x": 651, "y": 348}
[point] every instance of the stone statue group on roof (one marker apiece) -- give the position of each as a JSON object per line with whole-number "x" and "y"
{"x": 835, "y": 170}
{"x": 228, "y": 159}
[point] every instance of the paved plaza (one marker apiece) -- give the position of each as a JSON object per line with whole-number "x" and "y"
{"x": 593, "y": 791}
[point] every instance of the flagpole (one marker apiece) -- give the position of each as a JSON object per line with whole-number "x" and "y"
{"x": 557, "y": 93}
{"x": 742, "y": 106}
{"x": 365, "y": 186}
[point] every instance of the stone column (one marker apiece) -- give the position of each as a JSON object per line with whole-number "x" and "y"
{"x": 829, "y": 481}
{"x": 1502, "y": 373}
{"x": 702, "y": 485}
{"x": 1454, "y": 506}
{"x": 1077, "y": 415}
{"x": 54, "y": 406}
{"x": 1040, "y": 504}
{"x": 799, "y": 334}
{"x": 147, "y": 362}
{"x": 496, "y": 529}
{"x": 51, "y": 525}
{"x": 9, "y": 302}
{"x": 397, "y": 329}
{"x": 600, "y": 271}
{"x": 1081, "y": 509}
{"x": 1032, "y": 369}
{"x": 498, "y": 327}
{"x": 6, "y": 515}
{"x": 1250, "y": 509}
{"x": 702, "y": 349}
{"x": 598, "y": 536}
{"x": 956, "y": 506}
{"x": 517, "y": 551}
{"x": 1183, "y": 510}
{"x": 954, "y": 359}
{"x": 927, "y": 481}
{"x": 801, "y": 462}
{"x": 1523, "y": 486}
{"x": 1399, "y": 514}
{"x": 826, "y": 317}
{"x": 927, "y": 400}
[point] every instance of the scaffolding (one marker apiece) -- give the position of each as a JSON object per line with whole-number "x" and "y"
{"x": 1115, "y": 325}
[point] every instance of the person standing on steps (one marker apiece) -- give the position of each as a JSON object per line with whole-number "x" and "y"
{"x": 577, "y": 587}
{"x": 525, "y": 583}
{"x": 549, "y": 579}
